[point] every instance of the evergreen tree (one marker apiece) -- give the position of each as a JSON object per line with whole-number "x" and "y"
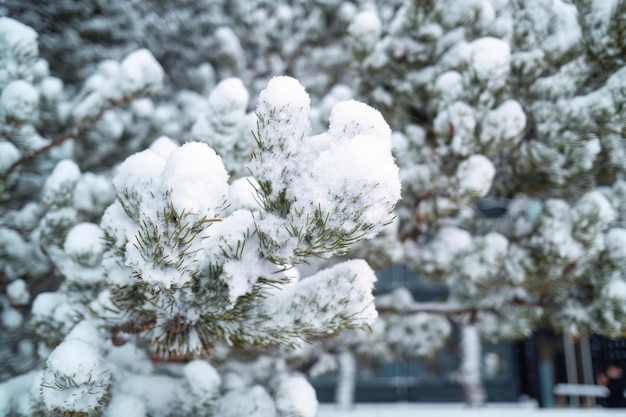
{"x": 509, "y": 135}
{"x": 168, "y": 262}
{"x": 119, "y": 226}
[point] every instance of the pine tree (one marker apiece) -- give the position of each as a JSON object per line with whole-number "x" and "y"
{"x": 169, "y": 263}
{"x": 510, "y": 107}
{"x": 506, "y": 107}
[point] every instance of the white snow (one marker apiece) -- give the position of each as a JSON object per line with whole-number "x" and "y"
{"x": 17, "y": 393}
{"x": 8, "y": 155}
{"x": 615, "y": 288}
{"x": 93, "y": 193}
{"x": 127, "y": 406}
{"x": 136, "y": 176}
{"x": 11, "y": 318}
{"x": 365, "y": 30}
{"x": 58, "y": 185}
{"x": 20, "y": 49}
{"x": 449, "y": 86}
{"x": 593, "y": 211}
{"x": 77, "y": 361}
{"x": 296, "y": 397}
{"x": 203, "y": 379}
{"x": 503, "y": 123}
{"x": 250, "y": 402}
{"x": 230, "y": 97}
{"x": 141, "y": 71}
{"x": 242, "y": 194}
{"x": 352, "y": 118}
{"x": 163, "y": 146}
{"x": 444, "y": 248}
{"x": 196, "y": 180}
{"x": 475, "y": 175}
{"x": 457, "y": 123}
{"x": 615, "y": 244}
{"x": 460, "y": 410}
{"x": 284, "y": 108}
{"x": 489, "y": 57}
{"x": 83, "y": 239}
{"x": 19, "y": 100}
{"x": 15, "y": 33}
{"x": 87, "y": 331}
{"x": 18, "y": 293}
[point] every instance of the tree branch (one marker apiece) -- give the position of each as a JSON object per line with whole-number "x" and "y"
{"x": 75, "y": 133}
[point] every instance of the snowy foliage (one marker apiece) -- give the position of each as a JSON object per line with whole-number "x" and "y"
{"x": 172, "y": 185}
{"x": 164, "y": 256}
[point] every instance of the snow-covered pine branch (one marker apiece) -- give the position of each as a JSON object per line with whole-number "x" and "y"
{"x": 183, "y": 270}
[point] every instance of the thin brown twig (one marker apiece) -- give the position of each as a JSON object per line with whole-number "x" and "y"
{"x": 75, "y": 133}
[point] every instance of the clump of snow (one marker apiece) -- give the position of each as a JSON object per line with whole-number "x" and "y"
{"x": 93, "y": 193}
{"x": 489, "y": 58}
{"x": 85, "y": 241}
{"x": 591, "y": 215}
{"x": 365, "y": 30}
{"x": 163, "y": 146}
{"x": 75, "y": 379}
{"x": 87, "y": 331}
{"x": 444, "y": 248}
{"x": 17, "y": 393}
{"x": 192, "y": 186}
{"x": 475, "y": 175}
{"x": 11, "y": 318}
{"x": 203, "y": 379}
{"x": 251, "y": 402}
{"x": 456, "y": 124}
{"x": 240, "y": 271}
{"x": 460, "y": 13}
{"x": 229, "y": 98}
{"x": 18, "y": 293}
{"x": 352, "y": 118}
{"x": 219, "y": 123}
{"x": 285, "y": 102}
{"x": 8, "y": 155}
{"x": 16, "y": 34}
{"x": 136, "y": 176}
{"x": 554, "y": 235}
{"x": 19, "y": 101}
{"x": 229, "y": 48}
{"x": 242, "y": 194}
{"x": 125, "y": 405}
{"x": 13, "y": 245}
{"x": 82, "y": 254}
{"x": 354, "y": 171}
{"x": 417, "y": 335}
{"x": 195, "y": 180}
{"x": 615, "y": 288}
{"x": 449, "y": 86}
{"x": 615, "y": 244}
{"x": 141, "y": 72}
{"x": 345, "y": 178}
{"x": 50, "y": 88}
{"x": 503, "y": 124}
{"x": 53, "y": 308}
{"x": 20, "y": 49}
{"x": 347, "y": 287}
{"x": 58, "y": 190}
{"x": 296, "y": 397}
